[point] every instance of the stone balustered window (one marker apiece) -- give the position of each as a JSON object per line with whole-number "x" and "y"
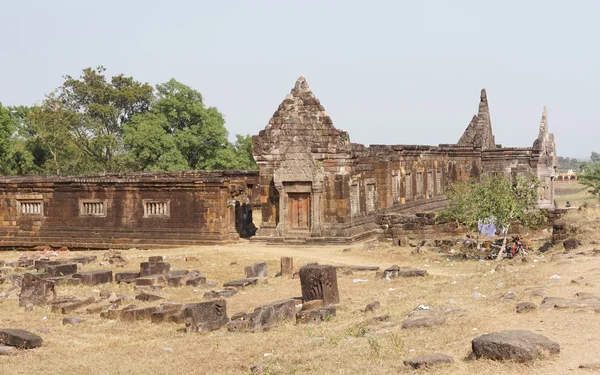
{"x": 408, "y": 186}
{"x": 354, "y": 200}
{"x": 396, "y": 186}
{"x": 156, "y": 208}
{"x": 31, "y": 208}
{"x": 429, "y": 184}
{"x": 438, "y": 182}
{"x": 370, "y": 197}
{"x": 420, "y": 185}
{"x": 92, "y": 208}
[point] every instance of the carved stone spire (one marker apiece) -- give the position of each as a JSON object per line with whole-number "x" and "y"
{"x": 479, "y": 132}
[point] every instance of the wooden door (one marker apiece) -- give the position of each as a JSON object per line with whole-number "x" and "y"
{"x": 299, "y": 211}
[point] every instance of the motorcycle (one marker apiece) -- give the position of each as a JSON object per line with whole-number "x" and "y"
{"x": 511, "y": 249}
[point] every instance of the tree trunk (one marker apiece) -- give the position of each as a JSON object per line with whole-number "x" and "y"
{"x": 501, "y": 251}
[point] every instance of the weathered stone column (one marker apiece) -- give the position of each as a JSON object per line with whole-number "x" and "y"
{"x": 287, "y": 266}
{"x": 316, "y": 209}
{"x": 319, "y": 282}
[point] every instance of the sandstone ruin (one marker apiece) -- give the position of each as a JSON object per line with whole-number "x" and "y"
{"x": 313, "y": 186}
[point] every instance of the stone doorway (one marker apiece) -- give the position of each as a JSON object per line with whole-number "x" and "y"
{"x": 299, "y": 211}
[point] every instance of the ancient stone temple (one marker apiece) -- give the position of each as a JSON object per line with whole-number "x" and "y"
{"x": 313, "y": 186}
{"x": 317, "y": 186}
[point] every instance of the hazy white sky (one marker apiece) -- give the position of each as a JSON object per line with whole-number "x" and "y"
{"x": 388, "y": 72}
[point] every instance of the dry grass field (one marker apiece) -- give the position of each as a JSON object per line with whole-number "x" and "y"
{"x": 347, "y": 344}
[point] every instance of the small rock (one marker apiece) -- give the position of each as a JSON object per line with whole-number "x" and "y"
{"x": 375, "y": 305}
{"x": 590, "y": 366}
{"x": 524, "y": 307}
{"x": 20, "y": 338}
{"x": 509, "y": 295}
{"x": 429, "y": 321}
{"x": 7, "y": 350}
{"x": 72, "y": 321}
{"x": 428, "y": 360}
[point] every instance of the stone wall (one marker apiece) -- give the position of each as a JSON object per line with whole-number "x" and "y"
{"x": 127, "y": 210}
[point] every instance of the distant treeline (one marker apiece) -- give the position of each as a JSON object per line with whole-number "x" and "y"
{"x": 98, "y": 124}
{"x": 577, "y": 165}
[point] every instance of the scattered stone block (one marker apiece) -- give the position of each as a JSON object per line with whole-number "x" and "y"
{"x": 242, "y": 283}
{"x": 195, "y": 280}
{"x": 205, "y": 316}
{"x": 316, "y": 315}
{"x": 590, "y": 366}
{"x": 64, "y": 280}
{"x": 287, "y": 266}
{"x": 114, "y": 312}
{"x": 19, "y": 338}
{"x": 94, "y": 277}
{"x": 256, "y": 270}
{"x": 319, "y": 282}
{"x": 375, "y": 305}
{"x": 72, "y": 306}
{"x": 154, "y": 268}
{"x": 36, "y": 291}
{"x": 271, "y": 315}
{"x": 518, "y": 345}
{"x": 314, "y": 304}
{"x": 166, "y": 312}
{"x": 396, "y": 271}
{"x": 140, "y": 313}
{"x": 571, "y": 244}
{"x": 126, "y": 277}
{"x": 214, "y": 294}
{"x": 146, "y": 297}
{"x": 524, "y": 307}
{"x": 98, "y": 307}
{"x": 423, "y": 322}
{"x": 61, "y": 269}
{"x": 160, "y": 280}
{"x": 428, "y": 360}
{"x": 72, "y": 321}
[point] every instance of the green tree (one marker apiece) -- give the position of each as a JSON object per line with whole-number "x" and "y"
{"x": 495, "y": 200}
{"x": 591, "y": 179}
{"x": 102, "y": 108}
{"x": 7, "y": 129}
{"x": 180, "y": 132}
{"x": 595, "y": 157}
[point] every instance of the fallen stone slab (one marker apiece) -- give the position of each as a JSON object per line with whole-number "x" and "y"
{"x": 195, "y": 280}
{"x": 564, "y": 303}
{"x": 36, "y": 291}
{"x": 83, "y": 259}
{"x": 396, "y": 271}
{"x": 91, "y": 278}
{"x": 140, "y": 313}
{"x": 215, "y": 294}
{"x": 61, "y": 269}
{"x": 423, "y": 322}
{"x": 358, "y": 268}
{"x": 67, "y": 280}
{"x": 313, "y": 304}
{"x": 167, "y": 311}
{"x": 19, "y": 338}
{"x": 518, "y": 345}
{"x": 319, "y": 282}
{"x": 242, "y": 283}
{"x": 256, "y": 270}
{"x": 147, "y": 297}
{"x": 98, "y": 307}
{"x": 428, "y": 360}
{"x": 68, "y": 307}
{"x": 160, "y": 280}
{"x": 126, "y": 277}
{"x": 72, "y": 321}
{"x": 154, "y": 268}
{"x": 316, "y": 315}
{"x": 524, "y": 307}
{"x": 114, "y": 312}
{"x": 205, "y": 316}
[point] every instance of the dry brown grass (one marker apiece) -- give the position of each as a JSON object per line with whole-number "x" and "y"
{"x": 344, "y": 345}
{"x": 573, "y": 192}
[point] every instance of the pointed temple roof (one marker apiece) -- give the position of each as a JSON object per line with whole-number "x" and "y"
{"x": 479, "y": 131}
